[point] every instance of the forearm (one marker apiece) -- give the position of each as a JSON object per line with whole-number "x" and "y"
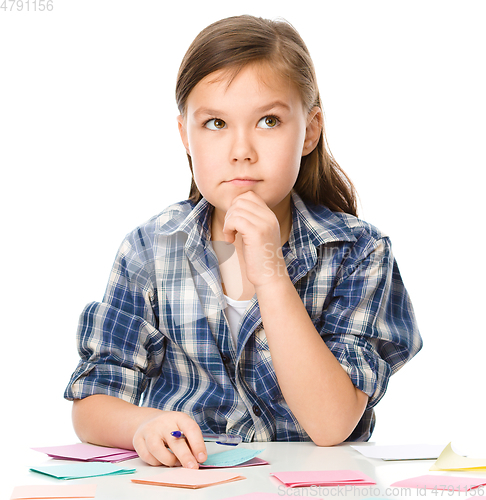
{"x": 315, "y": 386}
{"x": 109, "y": 421}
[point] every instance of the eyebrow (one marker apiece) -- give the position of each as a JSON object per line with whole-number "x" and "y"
{"x": 272, "y": 105}
{"x": 262, "y": 109}
{"x": 207, "y": 111}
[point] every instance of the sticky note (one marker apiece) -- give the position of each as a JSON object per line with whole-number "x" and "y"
{"x": 299, "y": 479}
{"x": 232, "y": 458}
{"x": 88, "y": 452}
{"x": 450, "y": 483}
{"x": 449, "y": 460}
{"x": 190, "y": 478}
{"x": 80, "y": 470}
{"x": 401, "y": 452}
{"x": 53, "y": 491}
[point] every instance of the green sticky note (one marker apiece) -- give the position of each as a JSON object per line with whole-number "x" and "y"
{"x": 77, "y": 471}
{"x": 231, "y": 458}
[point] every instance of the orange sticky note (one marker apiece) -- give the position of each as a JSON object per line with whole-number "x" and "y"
{"x": 53, "y": 491}
{"x": 190, "y": 478}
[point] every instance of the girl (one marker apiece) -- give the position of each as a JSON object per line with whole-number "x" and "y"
{"x": 262, "y": 306}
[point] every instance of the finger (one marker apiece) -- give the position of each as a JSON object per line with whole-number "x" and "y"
{"x": 229, "y": 236}
{"x": 234, "y": 213}
{"x": 195, "y": 441}
{"x": 157, "y": 449}
{"x": 255, "y": 213}
{"x": 148, "y": 458}
{"x": 251, "y": 196}
{"x": 141, "y": 448}
{"x": 242, "y": 223}
{"x": 249, "y": 205}
{"x": 254, "y": 203}
{"x": 182, "y": 452}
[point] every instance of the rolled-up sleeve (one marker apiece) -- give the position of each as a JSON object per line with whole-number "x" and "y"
{"x": 369, "y": 323}
{"x": 118, "y": 341}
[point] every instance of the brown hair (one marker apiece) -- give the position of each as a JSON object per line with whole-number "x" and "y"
{"x": 234, "y": 42}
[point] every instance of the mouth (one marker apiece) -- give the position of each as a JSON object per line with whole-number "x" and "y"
{"x": 243, "y": 181}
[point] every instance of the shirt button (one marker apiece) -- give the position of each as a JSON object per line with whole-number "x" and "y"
{"x": 257, "y": 411}
{"x": 224, "y": 358}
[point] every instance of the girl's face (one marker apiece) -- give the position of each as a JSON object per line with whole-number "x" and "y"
{"x": 247, "y": 134}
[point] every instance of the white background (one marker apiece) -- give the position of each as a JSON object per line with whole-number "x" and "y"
{"x": 89, "y": 149}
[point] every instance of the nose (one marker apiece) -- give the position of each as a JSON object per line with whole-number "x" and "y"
{"x": 243, "y": 148}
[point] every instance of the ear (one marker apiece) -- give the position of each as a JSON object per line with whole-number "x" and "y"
{"x": 183, "y": 132}
{"x": 313, "y": 130}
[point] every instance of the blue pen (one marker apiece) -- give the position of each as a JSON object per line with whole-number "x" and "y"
{"x": 227, "y": 439}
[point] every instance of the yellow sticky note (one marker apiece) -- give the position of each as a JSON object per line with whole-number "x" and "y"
{"x": 449, "y": 460}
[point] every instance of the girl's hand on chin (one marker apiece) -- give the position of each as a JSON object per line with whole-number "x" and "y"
{"x": 258, "y": 226}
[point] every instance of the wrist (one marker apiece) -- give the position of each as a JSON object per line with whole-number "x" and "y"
{"x": 279, "y": 284}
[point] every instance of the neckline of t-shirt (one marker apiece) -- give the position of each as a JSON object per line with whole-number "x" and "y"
{"x": 237, "y": 303}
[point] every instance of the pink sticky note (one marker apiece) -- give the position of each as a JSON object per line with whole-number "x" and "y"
{"x": 190, "y": 478}
{"x": 294, "y": 479}
{"x": 118, "y": 457}
{"x": 53, "y": 491}
{"x": 432, "y": 482}
{"x": 248, "y": 463}
{"x": 88, "y": 452}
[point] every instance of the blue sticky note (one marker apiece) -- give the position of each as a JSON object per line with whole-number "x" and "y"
{"x": 77, "y": 471}
{"x": 231, "y": 458}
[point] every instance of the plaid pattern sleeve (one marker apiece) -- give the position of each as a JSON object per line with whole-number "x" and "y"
{"x": 369, "y": 323}
{"x": 345, "y": 272}
{"x": 160, "y": 337}
{"x": 118, "y": 341}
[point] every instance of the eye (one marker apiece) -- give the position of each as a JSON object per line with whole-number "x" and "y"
{"x": 269, "y": 122}
{"x": 215, "y": 124}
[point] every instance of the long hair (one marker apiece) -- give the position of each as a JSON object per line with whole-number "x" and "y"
{"x": 235, "y": 42}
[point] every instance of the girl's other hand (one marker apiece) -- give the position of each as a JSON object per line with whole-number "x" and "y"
{"x": 156, "y": 446}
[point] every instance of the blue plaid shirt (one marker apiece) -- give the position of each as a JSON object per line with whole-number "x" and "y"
{"x": 160, "y": 337}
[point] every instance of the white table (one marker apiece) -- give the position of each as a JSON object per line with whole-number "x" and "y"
{"x": 281, "y": 456}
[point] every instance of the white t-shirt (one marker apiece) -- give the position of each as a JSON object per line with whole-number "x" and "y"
{"x": 234, "y": 312}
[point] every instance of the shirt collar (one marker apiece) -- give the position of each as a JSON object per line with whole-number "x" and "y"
{"x": 183, "y": 216}
{"x": 311, "y": 224}
{"x": 320, "y": 224}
